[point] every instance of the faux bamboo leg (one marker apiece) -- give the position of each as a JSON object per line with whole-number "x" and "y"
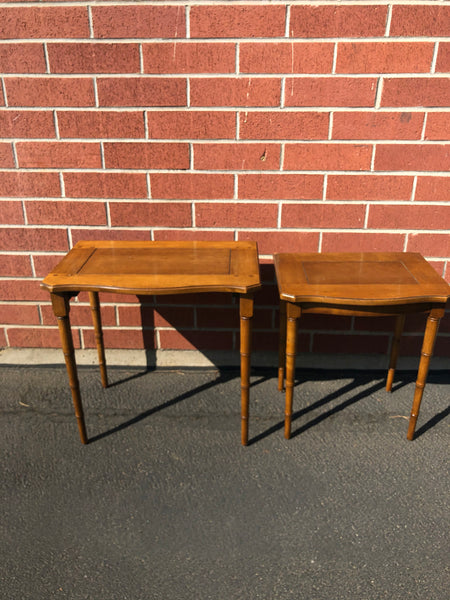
{"x": 399, "y": 325}
{"x": 282, "y": 346}
{"x": 293, "y": 313}
{"x": 61, "y": 308}
{"x": 246, "y": 314}
{"x": 427, "y": 351}
{"x": 97, "y": 320}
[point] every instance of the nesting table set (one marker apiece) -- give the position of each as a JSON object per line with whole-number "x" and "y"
{"x": 358, "y": 284}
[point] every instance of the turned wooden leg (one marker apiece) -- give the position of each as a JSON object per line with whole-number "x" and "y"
{"x": 399, "y": 325}
{"x": 246, "y": 314}
{"x": 293, "y": 313}
{"x": 427, "y": 350}
{"x": 61, "y": 308}
{"x": 97, "y": 320}
{"x": 282, "y": 346}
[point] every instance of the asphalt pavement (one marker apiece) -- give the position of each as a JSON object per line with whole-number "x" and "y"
{"x": 165, "y": 504}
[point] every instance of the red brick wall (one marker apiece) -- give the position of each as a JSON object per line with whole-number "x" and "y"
{"x": 315, "y": 126}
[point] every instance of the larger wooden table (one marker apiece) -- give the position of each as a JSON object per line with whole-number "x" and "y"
{"x": 360, "y": 284}
{"x": 152, "y": 268}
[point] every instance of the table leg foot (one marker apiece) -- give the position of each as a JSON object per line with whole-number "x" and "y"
{"x": 61, "y": 308}
{"x": 246, "y": 314}
{"x": 427, "y": 351}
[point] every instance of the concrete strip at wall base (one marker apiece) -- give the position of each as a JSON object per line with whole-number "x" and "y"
{"x": 216, "y": 359}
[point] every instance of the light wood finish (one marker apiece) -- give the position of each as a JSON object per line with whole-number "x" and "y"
{"x": 153, "y": 268}
{"x": 358, "y": 284}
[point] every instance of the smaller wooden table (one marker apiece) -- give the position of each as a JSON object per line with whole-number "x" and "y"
{"x": 358, "y": 284}
{"x": 153, "y": 268}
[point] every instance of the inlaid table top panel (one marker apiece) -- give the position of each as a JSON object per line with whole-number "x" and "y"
{"x": 370, "y": 278}
{"x": 157, "y": 267}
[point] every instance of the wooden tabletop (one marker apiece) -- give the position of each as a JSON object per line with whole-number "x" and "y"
{"x": 369, "y": 278}
{"x": 157, "y": 267}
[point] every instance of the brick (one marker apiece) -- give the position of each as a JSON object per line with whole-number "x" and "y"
{"x": 377, "y": 126}
{"x": 36, "y": 185}
{"x": 151, "y": 214}
{"x": 443, "y": 58}
{"x": 63, "y": 213}
{"x": 311, "y": 322}
{"x": 11, "y": 212}
{"x": 236, "y": 215}
{"x": 64, "y": 155}
{"x": 101, "y": 124}
{"x": 375, "y": 324}
{"x": 362, "y": 242}
{"x": 228, "y": 318}
{"x": 93, "y": 58}
{"x": 316, "y": 216}
{"x": 193, "y": 234}
{"x": 121, "y": 338}
{"x": 409, "y": 217}
{"x": 175, "y": 316}
{"x": 137, "y": 91}
{"x": 22, "y": 58}
{"x": 44, "y": 263}
{"x": 193, "y": 186}
{"x": 44, "y": 22}
{"x": 109, "y": 234}
{"x": 22, "y": 289}
{"x": 26, "y": 124}
{"x": 212, "y": 91}
{"x": 280, "y": 187}
{"x": 128, "y": 21}
{"x": 420, "y": 21}
{"x": 237, "y": 21}
{"x": 145, "y": 155}
{"x": 282, "y": 241}
{"x": 22, "y": 314}
{"x": 179, "y": 57}
{"x": 267, "y": 341}
{"x": 432, "y": 189}
{"x": 429, "y": 244}
{"x": 337, "y": 21}
{"x": 438, "y": 126}
{"x": 105, "y": 185}
{"x": 333, "y": 91}
{"x": 414, "y": 91}
{"x": 3, "y": 342}
{"x": 331, "y": 157}
{"x": 283, "y": 125}
{"x": 237, "y": 156}
{"x": 135, "y": 316}
{"x": 384, "y": 57}
{"x": 192, "y": 340}
{"x": 191, "y": 125}
{"x": 165, "y": 316}
{"x": 195, "y": 300}
{"x": 369, "y": 187}
{"x": 48, "y": 91}
{"x": 442, "y": 347}
{"x": 15, "y": 265}
{"x": 38, "y": 337}
{"x": 80, "y": 315}
{"x": 6, "y": 156}
{"x": 327, "y": 343}
{"x": 286, "y": 57}
{"x": 36, "y": 239}
{"x": 412, "y": 157}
